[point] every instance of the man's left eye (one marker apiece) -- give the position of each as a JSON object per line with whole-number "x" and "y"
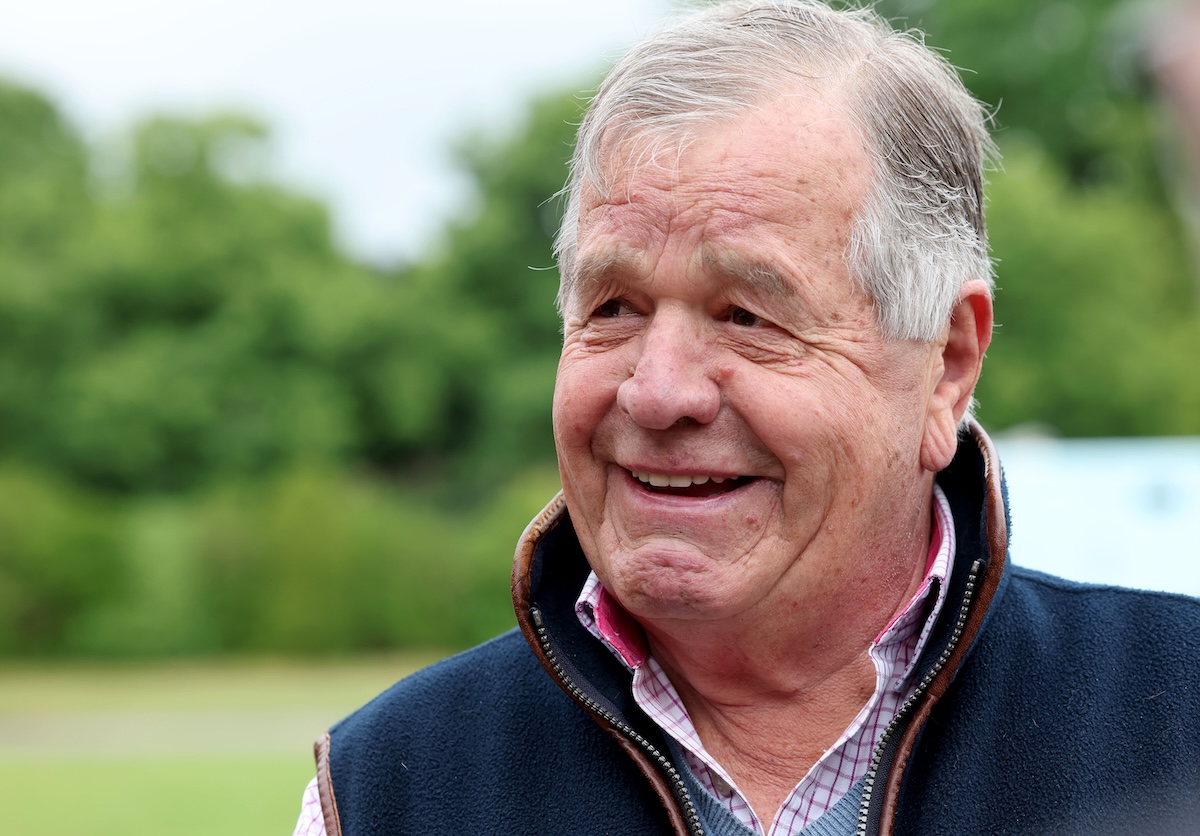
{"x": 743, "y": 317}
{"x": 611, "y": 308}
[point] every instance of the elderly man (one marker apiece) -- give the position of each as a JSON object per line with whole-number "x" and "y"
{"x": 774, "y": 595}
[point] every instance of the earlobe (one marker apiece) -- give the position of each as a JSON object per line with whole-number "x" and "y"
{"x": 967, "y": 338}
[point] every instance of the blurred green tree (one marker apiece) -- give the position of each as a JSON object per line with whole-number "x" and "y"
{"x": 60, "y": 558}
{"x": 494, "y": 280}
{"x": 178, "y": 319}
{"x": 1098, "y": 329}
{"x": 1066, "y": 74}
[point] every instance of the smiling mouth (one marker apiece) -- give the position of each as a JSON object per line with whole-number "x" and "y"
{"x": 698, "y": 486}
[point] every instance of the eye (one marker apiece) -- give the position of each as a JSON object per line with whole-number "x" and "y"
{"x": 744, "y": 318}
{"x": 613, "y": 307}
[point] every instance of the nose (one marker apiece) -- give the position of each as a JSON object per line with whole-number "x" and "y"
{"x": 671, "y": 381}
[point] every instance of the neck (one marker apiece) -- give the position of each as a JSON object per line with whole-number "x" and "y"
{"x": 800, "y": 640}
{"x": 771, "y": 689}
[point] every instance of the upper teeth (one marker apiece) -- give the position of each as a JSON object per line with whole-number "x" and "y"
{"x": 662, "y": 480}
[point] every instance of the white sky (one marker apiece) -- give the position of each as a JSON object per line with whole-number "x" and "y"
{"x": 361, "y": 95}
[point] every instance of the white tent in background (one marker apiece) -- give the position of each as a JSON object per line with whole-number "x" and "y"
{"x": 1114, "y": 511}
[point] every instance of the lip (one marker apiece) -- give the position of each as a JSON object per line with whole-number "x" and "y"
{"x": 658, "y": 479}
{"x": 642, "y": 494}
{"x": 675, "y": 470}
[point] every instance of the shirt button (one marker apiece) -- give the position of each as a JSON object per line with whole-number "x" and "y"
{"x": 721, "y": 785}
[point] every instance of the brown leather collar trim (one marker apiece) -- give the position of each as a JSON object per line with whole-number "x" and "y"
{"x": 333, "y": 824}
{"x": 521, "y": 582}
{"x": 546, "y": 519}
{"x": 997, "y": 538}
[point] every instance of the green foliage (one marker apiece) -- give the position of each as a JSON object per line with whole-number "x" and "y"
{"x": 194, "y": 323}
{"x": 314, "y": 561}
{"x": 191, "y": 323}
{"x": 181, "y": 334}
{"x": 42, "y": 169}
{"x": 59, "y": 557}
{"x": 229, "y": 317}
{"x": 492, "y": 280}
{"x": 309, "y": 561}
{"x": 1098, "y": 327}
{"x": 317, "y": 563}
{"x": 1065, "y": 74}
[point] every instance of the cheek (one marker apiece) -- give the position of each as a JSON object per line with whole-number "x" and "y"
{"x": 585, "y": 390}
{"x": 571, "y": 409}
{"x": 579, "y": 406}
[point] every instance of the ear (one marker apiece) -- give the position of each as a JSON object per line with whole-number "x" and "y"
{"x": 961, "y": 355}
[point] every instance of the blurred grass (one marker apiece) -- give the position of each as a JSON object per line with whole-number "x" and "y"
{"x": 234, "y": 682}
{"x": 176, "y": 796}
{"x": 183, "y": 748}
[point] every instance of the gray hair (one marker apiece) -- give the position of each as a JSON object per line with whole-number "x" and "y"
{"x": 920, "y": 234}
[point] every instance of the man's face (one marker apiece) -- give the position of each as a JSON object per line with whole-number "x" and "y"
{"x": 733, "y": 432}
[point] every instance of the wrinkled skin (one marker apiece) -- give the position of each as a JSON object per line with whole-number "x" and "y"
{"x": 714, "y": 331}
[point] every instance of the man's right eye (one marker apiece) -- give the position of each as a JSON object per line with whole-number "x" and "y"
{"x": 613, "y": 307}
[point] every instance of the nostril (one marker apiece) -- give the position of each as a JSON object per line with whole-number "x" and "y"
{"x": 671, "y": 385}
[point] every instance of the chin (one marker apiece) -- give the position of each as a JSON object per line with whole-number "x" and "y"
{"x": 671, "y": 591}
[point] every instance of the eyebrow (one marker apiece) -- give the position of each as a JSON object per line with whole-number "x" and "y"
{"x": 592, "y": 272}
{"x": 747, "y": 274}
{"x": 750, "y": 274}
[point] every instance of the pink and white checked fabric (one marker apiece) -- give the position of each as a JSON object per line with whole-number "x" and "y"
{"x": 894, "y": 652}
{"x": 311, "y": 822}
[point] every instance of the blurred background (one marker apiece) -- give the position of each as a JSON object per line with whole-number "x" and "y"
{"x": 277, "y": 345}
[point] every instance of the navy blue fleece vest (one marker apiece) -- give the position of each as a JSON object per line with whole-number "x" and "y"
{"x": 1076, "y": 713}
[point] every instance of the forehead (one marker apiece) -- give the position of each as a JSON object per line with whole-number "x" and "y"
{"x": 782, "y": 181}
